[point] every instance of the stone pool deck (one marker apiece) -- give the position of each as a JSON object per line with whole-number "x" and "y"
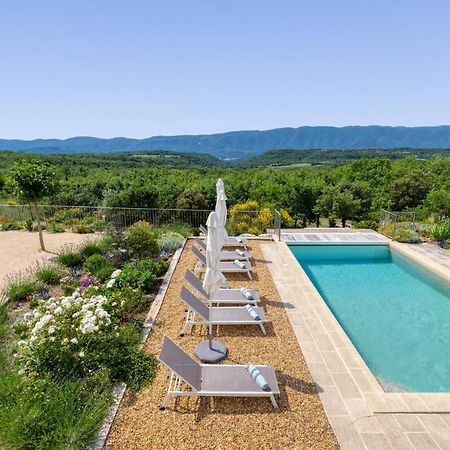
{"x": 361, "y": 413}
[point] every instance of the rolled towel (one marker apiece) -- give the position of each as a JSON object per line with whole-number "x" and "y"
{"x": 253, "y": 314}
{"x": 258, "y": 377}
{"x": 240, "y": 240}
{"x": 240, "y": 264}
{"x": 240, "y": 252}
{"x": 246, "y": 293}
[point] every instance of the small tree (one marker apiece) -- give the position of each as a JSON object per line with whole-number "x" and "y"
{"x": 32, "y": 181}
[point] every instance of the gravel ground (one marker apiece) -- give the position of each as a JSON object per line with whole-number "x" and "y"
{"x": 20, "y": 249}
{"x": 227, "y": 423}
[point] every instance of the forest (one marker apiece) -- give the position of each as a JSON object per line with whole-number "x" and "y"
{"x": 339, "y": 193}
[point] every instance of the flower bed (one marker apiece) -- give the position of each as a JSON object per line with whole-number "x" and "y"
{"x": 84, "y": 338}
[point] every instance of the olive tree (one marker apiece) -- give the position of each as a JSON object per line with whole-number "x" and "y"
{"x": 31, "y": 182}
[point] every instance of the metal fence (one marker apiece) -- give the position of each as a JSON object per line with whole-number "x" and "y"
{"x": 392, "y": 222}
{"x": 89, "y": 218}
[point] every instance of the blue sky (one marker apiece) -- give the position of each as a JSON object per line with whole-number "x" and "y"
{"x": 141, "y": 68}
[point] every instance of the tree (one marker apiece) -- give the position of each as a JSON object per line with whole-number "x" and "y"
{"x": 438, "y": 202}
{"x": 191, "y": 199}
{"x": 409, "y": 190}
{"x": 32, "y": 181}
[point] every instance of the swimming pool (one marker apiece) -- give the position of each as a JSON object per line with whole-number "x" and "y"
{"x": 396, "y": 313}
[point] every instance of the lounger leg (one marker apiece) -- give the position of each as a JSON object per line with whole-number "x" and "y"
{"x": 166, "y": 401}
{"x": 249, "y": 274}
{"x": 274, "y": 402}
{"x": 262, "y": 328}
{"x": 186, "y": 322}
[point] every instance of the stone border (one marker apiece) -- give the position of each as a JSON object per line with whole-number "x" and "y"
{"x": 119, "y": 390}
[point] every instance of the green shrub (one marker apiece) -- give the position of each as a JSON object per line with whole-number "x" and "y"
{"x": 141, "y": 274}
{"x": 366, "y": 224}
{"x": 50, "y": 273}
{"x": 20, "y": 287}
{"x": 69, "y": 257}
{"x": 49, "y": 414}
{"x": 29, "y": 225}
{"x": 98, "y": 266}
{"x": 170, "y": 241}
{"x": 55, "y": 227}
{"x": 141, "y": 239}
{"x": 84, "y": 229}
{"x": 439, "y": 232}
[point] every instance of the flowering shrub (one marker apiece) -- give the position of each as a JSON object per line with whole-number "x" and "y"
{"x": 74, "y": 337}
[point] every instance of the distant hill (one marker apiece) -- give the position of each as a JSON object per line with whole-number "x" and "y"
{"x": 124, "y": 160}
{"x": 243, "y": 144}
{"x": 288, "y": 157}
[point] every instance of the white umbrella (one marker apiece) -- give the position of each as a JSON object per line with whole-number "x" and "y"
{"x": 214, "y": 278}
{"x": 220, "y": 186}
{"x": 221, "y": 210}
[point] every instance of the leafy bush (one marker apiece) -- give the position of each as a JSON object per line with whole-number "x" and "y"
{"x": 406, "y": 235}
{"x": 98, "y": 266}
{"x": 7, "y": 224}
{"x": 440, "y": 232}
{"x": 84, "y": 229}
{"x": 170, "y": 241}
{"x": 138, "y": 275}
{"x": 50, "y": 273}
{"x": 44, "y": 413}
{"x": 55, "y": 227}
{"x": 29, "y": 224}
{"x": 141, "y": 239}
{"x": 20, "y": 287}
{"x": 69, "y": 257}
{"x": 366, "y": 224}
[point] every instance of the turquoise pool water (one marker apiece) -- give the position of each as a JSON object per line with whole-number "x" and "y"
{"x": 396, "y": 313}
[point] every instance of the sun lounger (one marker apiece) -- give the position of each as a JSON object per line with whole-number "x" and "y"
{"x": 224, "y": 266}
{"x": 226, "y": 255}
{"x": 212, "y": 380}
{"x": 232, "y": 241}
{"x": 217, "y": 315}
{"x": 223, "y": 296}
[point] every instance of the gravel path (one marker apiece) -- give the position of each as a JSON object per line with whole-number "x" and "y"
{"x": 227, "y": 423}
{"x": 20, "y": 249}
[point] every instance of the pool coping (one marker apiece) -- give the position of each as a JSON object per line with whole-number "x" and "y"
{"x": 346, "y": 385}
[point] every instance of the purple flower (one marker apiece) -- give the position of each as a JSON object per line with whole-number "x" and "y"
{"x": 85, "y": 282}
{"x": 442, "y": 244}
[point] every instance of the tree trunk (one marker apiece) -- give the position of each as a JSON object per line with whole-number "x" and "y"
{"x": 38, "y": 220}
{"x": 343, "y": 222}
{"x": 317, "y": 221}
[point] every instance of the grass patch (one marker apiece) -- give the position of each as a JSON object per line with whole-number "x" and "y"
{"x": 98, "y": 266}
{"x": 49, "y": 274}
{"x": 20, "y": 287}
{"x": 69, "y": 257}
{"x": 51, "y": 414}
{"x": 94, "y": 248}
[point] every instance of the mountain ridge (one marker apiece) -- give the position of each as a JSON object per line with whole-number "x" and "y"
{"x": 247, "y": 143}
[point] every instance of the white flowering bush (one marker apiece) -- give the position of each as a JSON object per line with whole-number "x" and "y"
{"x": 75, "y": 336}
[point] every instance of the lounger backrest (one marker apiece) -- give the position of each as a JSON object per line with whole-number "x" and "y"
{"x": 200, "y": 243}
{"x": 203, "y": 230}
{"x": 181, "y": 363}
{"x": 195, "y": 283}
{"x": 194, "y": 303}
{"x": 199, "y": 254}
